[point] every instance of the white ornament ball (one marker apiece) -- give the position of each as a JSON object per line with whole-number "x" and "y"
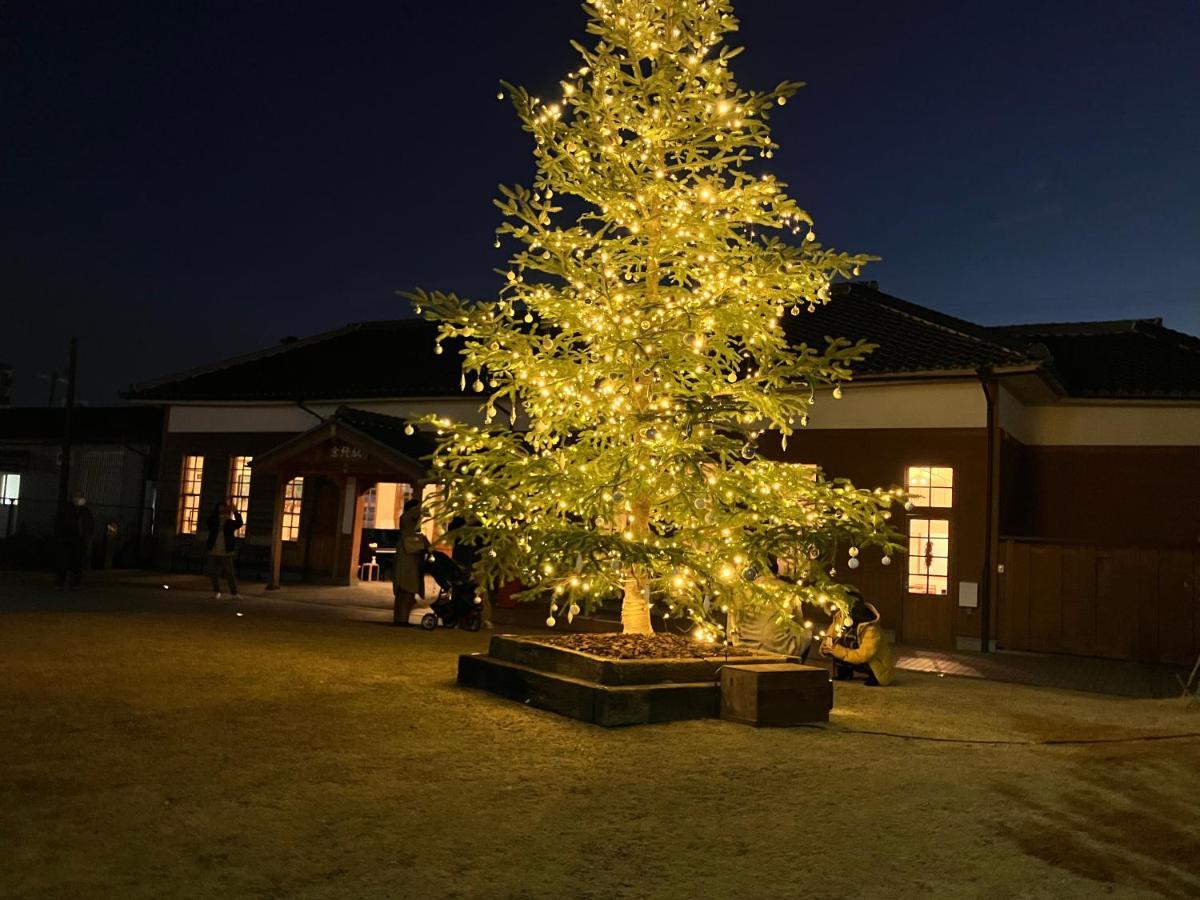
{"x": 853, "y": 563}
{"x": 854, "y": 551}
{"x": 887, "y": 560}
{"x": 549, "y": 621}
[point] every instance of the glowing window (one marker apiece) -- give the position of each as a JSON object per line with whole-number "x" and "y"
{"x": 10, "y": 489}
{"x": 931, "y": 486}
{"x": 929, "y": 556}
{"x": 189, "y": 494}
{"x": 239, "y": 487}
{"x": 293, "y": 495}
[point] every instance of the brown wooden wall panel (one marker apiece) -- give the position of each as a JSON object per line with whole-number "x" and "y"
{"x": 1117, "y": 599}
{"x": 1126, "y": 603}
{"x": 1045, "y": 584}
{"x": 1177, "y": 608}
{"x": 1145, "y": 576}
{"x": 1014, "y": 619}
{"x": 1107, "y": 496}
{"x": 1078, "y": 598}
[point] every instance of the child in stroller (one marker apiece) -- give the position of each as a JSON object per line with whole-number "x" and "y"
{"x": 456, "y": 605}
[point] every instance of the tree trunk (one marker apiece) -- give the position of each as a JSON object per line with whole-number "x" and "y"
{"x": 635, "y": 608}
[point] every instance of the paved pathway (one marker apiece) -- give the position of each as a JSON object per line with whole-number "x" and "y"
{"x": 1073, "y": 673}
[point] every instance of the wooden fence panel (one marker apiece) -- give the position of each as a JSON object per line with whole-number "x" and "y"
{"x": 1045, "y": 598}
{"x": 1117, "y": 603}
{"x": 1121, "y": 603}
{"x": 1079, "y": 600}
{"x": 1017, "y": 578}
{"x": 1145, "y": 577}
{"x": 1177, "y": 609}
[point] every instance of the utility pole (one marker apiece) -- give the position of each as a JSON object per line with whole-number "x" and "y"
{"x": 64, "y": 470}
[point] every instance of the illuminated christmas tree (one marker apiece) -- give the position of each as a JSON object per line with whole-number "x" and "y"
{"x": 636, "y": 352}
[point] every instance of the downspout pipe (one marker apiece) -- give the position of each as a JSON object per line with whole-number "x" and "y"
{"x": 316, "y": 415}
{"x": 987, "y": 380}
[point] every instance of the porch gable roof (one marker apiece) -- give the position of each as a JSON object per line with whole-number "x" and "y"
{"x": 358, "y": 440}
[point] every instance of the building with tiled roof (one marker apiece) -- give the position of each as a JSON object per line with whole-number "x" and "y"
{"x": 1050, "y": 462}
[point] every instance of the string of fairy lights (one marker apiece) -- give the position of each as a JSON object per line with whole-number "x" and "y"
{"x": 636, "y": 357}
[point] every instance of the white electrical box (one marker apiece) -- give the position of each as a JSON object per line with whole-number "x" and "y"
{"x": 968, "y": 594}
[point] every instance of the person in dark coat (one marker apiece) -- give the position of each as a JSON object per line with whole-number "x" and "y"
{"x": 73, "y": 527}
{"x": 408, "y": 581}
{"x": 223, "y": 526}
{"x": 466, "y": 554}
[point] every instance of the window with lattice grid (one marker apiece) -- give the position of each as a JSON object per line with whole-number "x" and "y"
{"x": 189, "y": 494}
{"x": 239, "y": 487}
{"x": 293, "y": 496}
{"x": 930, "y": 486}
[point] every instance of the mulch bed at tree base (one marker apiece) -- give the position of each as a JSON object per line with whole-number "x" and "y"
{"x": 640, "y": 646}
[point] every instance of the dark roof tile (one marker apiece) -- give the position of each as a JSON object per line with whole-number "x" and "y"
{"x": 911, "y": 339}
{"x": 361, "y": 361}
{"x": 1127, "y": 359}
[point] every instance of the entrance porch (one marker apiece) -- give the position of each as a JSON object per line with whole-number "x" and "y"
{"x": 322, "y": 480}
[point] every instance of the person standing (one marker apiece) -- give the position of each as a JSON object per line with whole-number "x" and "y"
{"x": 223, "y": 527}
{"x": 408, "y": 581}
{"x": 73, "y": 528}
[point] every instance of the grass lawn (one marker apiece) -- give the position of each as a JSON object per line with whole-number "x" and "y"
{"x": 154, "y": 749}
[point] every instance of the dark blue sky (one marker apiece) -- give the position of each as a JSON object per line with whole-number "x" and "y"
{"x": 181, "y": 182}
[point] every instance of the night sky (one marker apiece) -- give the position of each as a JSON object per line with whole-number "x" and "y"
{"x": 182, "y": 182}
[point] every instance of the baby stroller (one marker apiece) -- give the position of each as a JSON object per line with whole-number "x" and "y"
{"x": 456, "y": 605}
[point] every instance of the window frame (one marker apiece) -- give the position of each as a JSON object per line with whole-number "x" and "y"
{"x": 931, "y": 490}
{"x": 191, "y": 486}
{"x": 933, "y": 504}
{"x": 239, "y": 477}
{"x": 292, "y": 509}
{"x": 928, "y": 559}
{"x": 6, "y": 479}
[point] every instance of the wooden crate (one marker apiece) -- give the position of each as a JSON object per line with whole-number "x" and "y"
{"x": 775, "y": 694}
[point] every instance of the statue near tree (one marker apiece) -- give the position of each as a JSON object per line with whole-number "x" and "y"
{"x": 636, "y": 352}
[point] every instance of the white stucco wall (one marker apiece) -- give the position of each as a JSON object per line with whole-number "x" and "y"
{"x": 928, "y": 405}
{"x": 1101, "y": 424}
{"x": 863, "y": 406}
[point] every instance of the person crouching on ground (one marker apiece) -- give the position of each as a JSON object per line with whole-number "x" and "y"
{"x": 856, "y": 643}
{"x": 223, "y": 527}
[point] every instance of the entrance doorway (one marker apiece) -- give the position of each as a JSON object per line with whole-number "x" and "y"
{"x": 383, "y": 503}
{"x": 347, "y": 457}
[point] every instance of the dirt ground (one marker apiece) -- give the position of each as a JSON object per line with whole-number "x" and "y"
{"x": 154, "y": 749}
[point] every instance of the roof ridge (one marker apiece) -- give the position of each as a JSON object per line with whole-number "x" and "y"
{"x": 1182, "y": 339}
{"x": 1081, "y": 326}
{"x": 275, "y": 349}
